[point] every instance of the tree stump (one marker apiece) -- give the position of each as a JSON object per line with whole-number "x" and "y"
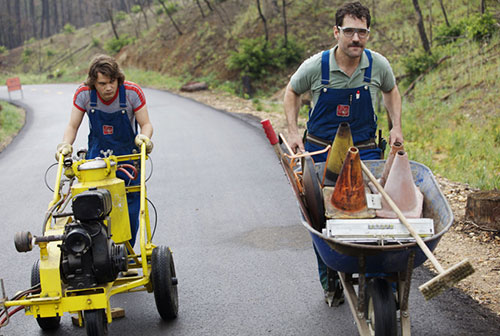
{"x": 483, "y": 208}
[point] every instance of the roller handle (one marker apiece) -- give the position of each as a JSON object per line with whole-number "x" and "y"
{"x": 268, "y": 128}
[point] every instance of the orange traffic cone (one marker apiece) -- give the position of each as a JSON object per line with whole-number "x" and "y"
{"x": 348, "y": 198}
{"x": 403, "y": 191}
{"x": 396, "y": 147}
{"x": 337, "y": 154}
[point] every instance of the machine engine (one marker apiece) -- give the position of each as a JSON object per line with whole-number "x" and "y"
{"x": 89, "y": 256}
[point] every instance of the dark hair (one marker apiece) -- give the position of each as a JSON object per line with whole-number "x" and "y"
{"x": 355, "y": 9}
{"x": 106, "y": 65}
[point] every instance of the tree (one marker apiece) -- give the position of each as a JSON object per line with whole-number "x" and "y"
{"x": 285, "y": 25}
{"x": 444, "y": 13}
{"x": 201, "y": 9}
{"x": 170, "y": 8}
{"x": 262, "y": 17}
{"x": 421, "y": 28}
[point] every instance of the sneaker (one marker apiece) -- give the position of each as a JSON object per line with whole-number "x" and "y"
{"x": 334, "y": 299}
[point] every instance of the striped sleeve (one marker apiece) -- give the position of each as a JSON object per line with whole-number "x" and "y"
{"x": 135, "y": 96}
{"x": 81, "y": 97}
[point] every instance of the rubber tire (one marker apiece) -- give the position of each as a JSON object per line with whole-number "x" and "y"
{"x": 45, "y": 323}
{"x": 96, "y": 323}
{"x": 164, "y": 288}
{"x": 313, "y": 194}
{"x": 381, "y": 307}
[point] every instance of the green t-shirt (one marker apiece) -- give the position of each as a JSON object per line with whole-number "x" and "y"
{"x": 308, "y": 75}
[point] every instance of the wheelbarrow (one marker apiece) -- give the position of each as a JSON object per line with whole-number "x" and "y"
{"x": 375, "y": 273}
{"x": 84, "y": 251}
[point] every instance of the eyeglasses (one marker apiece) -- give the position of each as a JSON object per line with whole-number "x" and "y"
{"x": 349, "y": 32}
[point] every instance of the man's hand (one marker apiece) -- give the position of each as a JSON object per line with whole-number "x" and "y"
{"x": 295, "y": 143}
{"x": 395, "y": 135}
{"x": 63, "y": 148}
{"x": 140, "y": 139}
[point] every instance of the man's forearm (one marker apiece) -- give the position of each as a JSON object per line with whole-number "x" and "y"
{"x": 292, "y": 106}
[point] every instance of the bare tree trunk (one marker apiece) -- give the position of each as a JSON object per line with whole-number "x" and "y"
{"x": 208, "y": 5}
{"x": 444, "y": 13}
{"x": 483, "y": 6}
{"x": 285, "y": 25}
{"x": 170, "y": 17}
{"x": 263, "y": 20}
{"x": 141, "y": 6}
{"x": 55, "y": 16}
{"x": 201, "y": 9}
{"x": 421, "y": 28}
{"x": 109, "y": 12}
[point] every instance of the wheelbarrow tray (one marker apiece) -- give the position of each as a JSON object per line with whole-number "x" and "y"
{"x": 343, "y": 256}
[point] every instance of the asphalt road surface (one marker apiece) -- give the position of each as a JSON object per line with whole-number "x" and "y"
{"x": 244, "y": 262}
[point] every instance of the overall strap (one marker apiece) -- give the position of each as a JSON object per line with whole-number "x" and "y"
{"x": 325, "y": 67}
{"x": 122, "y": 96}
{"x": 368, "y": 71}
{"x": 93, "y": 98}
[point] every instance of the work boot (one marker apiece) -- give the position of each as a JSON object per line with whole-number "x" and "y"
{"x": 334, "y": 294}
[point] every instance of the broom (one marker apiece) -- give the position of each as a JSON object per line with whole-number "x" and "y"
{"x": 446, "y": 278}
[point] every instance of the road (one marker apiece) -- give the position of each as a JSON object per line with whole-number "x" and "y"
{"x": 244, "y": 262}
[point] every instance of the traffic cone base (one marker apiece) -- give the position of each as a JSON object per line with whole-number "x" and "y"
{"x": 348, "y": 199}
{"x": 332, "y": 212}
{"x": 403, "y": 191}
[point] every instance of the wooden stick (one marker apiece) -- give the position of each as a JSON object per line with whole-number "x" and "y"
{"x": 403, "y": 220}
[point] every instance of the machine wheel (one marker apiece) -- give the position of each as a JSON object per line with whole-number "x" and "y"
{"x": 313, "y": 194}
{"x": 164, "y": 283}
{"x": 96, "y": 323}
{"x": 380, "y": 310}
{"x": 45, "y": 323}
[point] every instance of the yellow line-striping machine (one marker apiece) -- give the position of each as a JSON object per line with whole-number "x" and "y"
{"x": 85, "y": 254}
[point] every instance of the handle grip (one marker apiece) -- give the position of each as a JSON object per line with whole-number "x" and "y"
{"x": 268, "y": 128}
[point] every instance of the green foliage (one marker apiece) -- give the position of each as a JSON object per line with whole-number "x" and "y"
{"x": 481, "y": 27}
{"x": 418, "y": 62}
{"x": 445, "y": 34}
{"x": 136, "y": 9}
{"x": 11, "y": 120}
{"x": 96, "y": 43}
{"x": 290, "y": 54}
{"x": 115, "y": 45}
{"x": 2, "y": 49}
{"x": 50, "y": 52}
{"x": 255, "y": 57}
{"x": 27, "y": 52}
{"x": 170, "y": 7}
{"x": 120, "y": 16}
{"x": 252, "y": 57}
{"x": 68, "y": 28}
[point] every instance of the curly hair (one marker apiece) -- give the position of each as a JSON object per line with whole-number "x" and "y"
{"x": 107, "y": 66}
{"x": 355, "y": 9}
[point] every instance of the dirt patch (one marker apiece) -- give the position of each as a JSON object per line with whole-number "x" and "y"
{"x": 464, "y": 239}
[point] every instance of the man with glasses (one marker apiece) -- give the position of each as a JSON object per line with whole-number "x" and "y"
{"x": 343, "y": 82}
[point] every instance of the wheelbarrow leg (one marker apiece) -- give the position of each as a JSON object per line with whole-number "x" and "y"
{"x": 356, "y": 302}
{"x": 404, "y": 282}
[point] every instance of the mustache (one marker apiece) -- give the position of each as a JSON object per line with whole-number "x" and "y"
{"x": 355, "y": 44}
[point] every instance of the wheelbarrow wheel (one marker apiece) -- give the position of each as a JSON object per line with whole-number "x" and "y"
{"x": 380, "y": 306}
{"x": 164, "y": 283}
{"x": 45, "y": 323}
{"x": 96, "y": 323}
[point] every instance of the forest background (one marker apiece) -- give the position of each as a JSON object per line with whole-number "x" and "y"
{"x": 445, "y": 55}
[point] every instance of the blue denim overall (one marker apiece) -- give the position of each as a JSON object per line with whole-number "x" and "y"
{"x": 352, "y": 105}
{"x": 114, "y": 131}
